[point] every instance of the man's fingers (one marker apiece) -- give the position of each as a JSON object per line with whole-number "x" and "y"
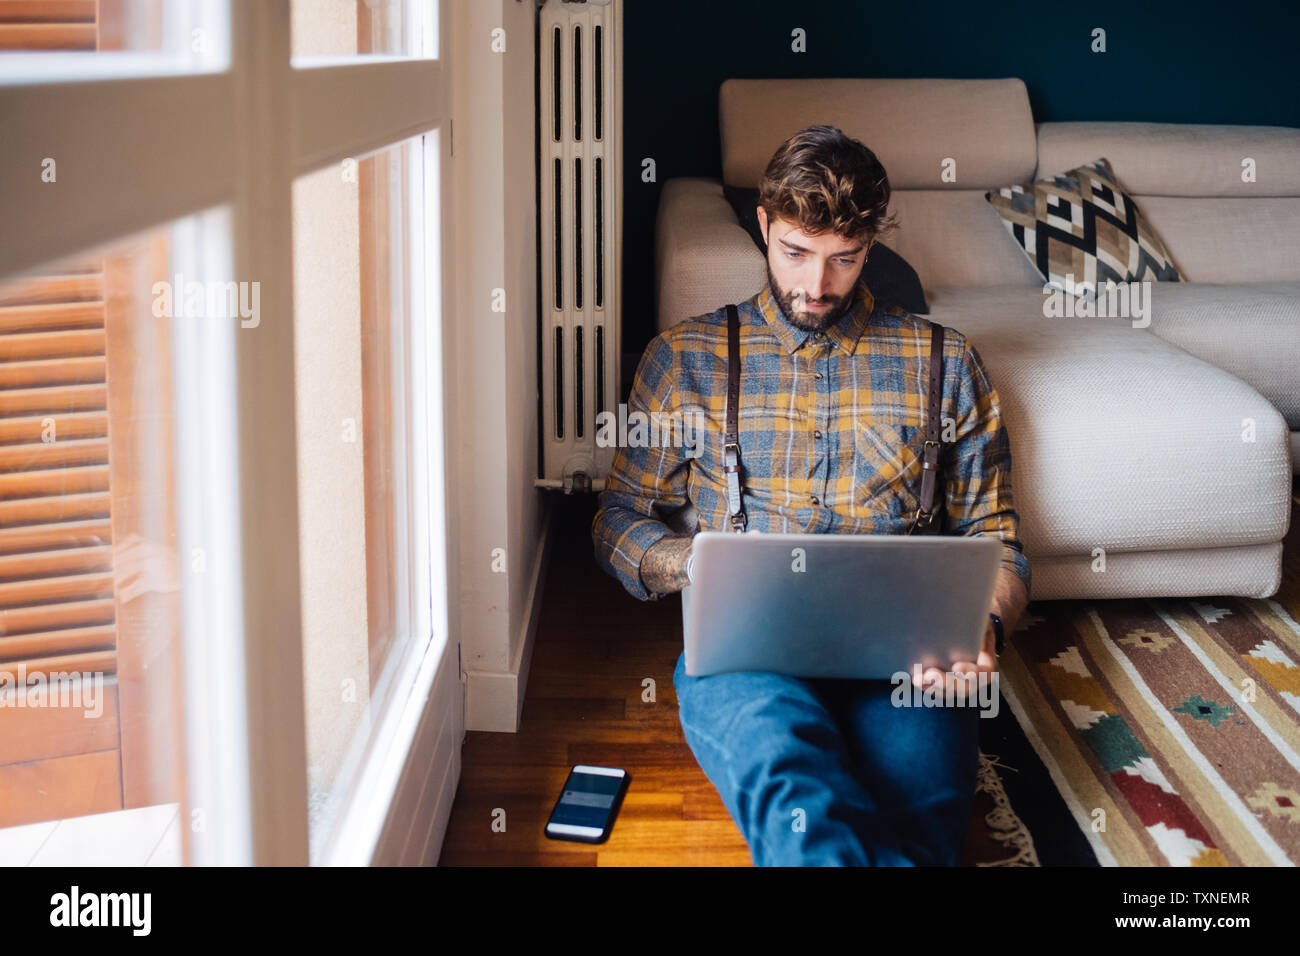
{"x": 923, "y": 677}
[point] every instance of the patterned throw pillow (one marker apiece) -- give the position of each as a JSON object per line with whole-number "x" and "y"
{"x": 1082, "y": 231}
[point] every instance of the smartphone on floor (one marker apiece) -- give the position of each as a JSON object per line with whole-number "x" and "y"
{"x": 588, "y": 804}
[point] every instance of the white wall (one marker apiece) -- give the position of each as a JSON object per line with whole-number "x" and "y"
{"x": 493, "y": 421}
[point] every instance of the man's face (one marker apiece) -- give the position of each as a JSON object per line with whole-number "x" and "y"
{"x": 812, "y": 277}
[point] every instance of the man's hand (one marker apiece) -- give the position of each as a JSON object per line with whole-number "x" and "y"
{"x": 1009, "y": 601}
{"x": 663, "y": 566}
{"x": 966, "y": 670}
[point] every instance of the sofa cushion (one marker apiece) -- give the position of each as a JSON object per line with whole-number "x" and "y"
{"x": 1223, "y": 218}
{"x": 1251, "y": 330}
{"x": 1082, "y": 230}
{"x": 703, "y": 259}
{"x": 887, "y": 274}
{"x": 1121, "y": 440}
{"x": 1179, "y": 159}
{"x": 980, "y": 130}
{"x": 954, "y": 238}
{"x": 1218, "y": 239}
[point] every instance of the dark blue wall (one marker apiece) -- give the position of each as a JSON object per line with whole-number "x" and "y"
{"x": 1190, "y": 62}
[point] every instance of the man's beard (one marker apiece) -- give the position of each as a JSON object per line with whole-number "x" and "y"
{"x": 810, "y": 321}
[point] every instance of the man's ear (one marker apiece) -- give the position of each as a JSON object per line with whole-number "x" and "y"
{"x": 762, "y": 223}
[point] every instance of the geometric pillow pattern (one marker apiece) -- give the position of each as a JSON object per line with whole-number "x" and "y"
{"x": 1081, "y": 231}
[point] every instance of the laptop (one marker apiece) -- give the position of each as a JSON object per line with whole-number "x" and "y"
{"x": 836, "y": 605}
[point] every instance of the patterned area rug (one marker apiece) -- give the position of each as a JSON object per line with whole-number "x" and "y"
{"x": 1170, "y": 730}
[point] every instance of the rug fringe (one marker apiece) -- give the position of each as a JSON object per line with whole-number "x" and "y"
{"x": 1006, "y": 827}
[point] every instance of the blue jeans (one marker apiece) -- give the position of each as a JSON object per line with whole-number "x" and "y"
{"x": 829, "y": 772}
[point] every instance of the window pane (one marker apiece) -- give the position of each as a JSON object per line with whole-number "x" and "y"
{"x": 101, "y": 391}
{"x": 184, "y": 34}
{"x": 360, "y": 388}
{"x": 334, "y": 28}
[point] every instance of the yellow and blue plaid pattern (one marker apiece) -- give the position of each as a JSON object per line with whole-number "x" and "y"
{"x": 832, "y": 427}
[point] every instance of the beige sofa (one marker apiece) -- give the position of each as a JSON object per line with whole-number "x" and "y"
{"x": 1124, "y": 439}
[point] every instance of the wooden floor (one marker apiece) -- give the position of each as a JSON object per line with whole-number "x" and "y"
{"x": 596, "y": 647}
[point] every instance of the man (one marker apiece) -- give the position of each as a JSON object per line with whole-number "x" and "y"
{"x": 832, "y": 425}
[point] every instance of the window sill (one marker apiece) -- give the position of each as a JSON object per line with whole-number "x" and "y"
{"x": 146, "y": 836}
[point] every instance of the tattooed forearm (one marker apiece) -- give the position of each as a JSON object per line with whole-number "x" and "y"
{"x": 663, "y": 567}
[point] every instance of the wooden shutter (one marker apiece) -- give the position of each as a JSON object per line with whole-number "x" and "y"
{"x": 48, "y": 25}
{"x": 56, "y": 564}
{"x": 87, "y": 534}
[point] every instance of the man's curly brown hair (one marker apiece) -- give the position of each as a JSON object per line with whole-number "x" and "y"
{"x": 822, "y": 179}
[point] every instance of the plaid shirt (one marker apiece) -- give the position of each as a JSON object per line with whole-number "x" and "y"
{"x": 831, "y": 426}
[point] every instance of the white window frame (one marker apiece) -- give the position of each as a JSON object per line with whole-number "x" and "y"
{"x": 139, "y": 146}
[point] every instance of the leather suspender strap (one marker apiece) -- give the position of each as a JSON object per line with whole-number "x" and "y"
{"x": 731, "y": 448}
{"x": 925, "y": 520}
{"x": 925, "y": 516}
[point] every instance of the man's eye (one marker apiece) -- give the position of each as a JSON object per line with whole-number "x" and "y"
{"x": 793, "y": 255}
{"x": 846, "y": 261}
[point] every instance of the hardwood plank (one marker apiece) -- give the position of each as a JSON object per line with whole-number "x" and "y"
{"x": 60, "y": 787}
{"x": 29, "y": 734}
{"x": 595, "y": 646}
{"x": 488, "y": 749}
{"x": 459, "y": 857}
{"x": 704, "y": 806}
{"x": 654, "y": 753}
{"x": 677, "y": 856}
{"x": 571, "y": 708}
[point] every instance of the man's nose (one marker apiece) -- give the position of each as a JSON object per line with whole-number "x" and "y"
{"x": 815, "y": 281}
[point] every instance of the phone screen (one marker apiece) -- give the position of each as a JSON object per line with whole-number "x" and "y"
{"x": 587, "y": 804}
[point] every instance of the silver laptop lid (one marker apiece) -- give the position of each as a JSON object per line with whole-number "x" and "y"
{"x": 829, "y": 605}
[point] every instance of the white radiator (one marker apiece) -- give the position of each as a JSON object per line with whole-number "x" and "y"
{"x": 579, "y": 104}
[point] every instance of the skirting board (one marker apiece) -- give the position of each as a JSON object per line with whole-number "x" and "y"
{"x": 494, "y": 700}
